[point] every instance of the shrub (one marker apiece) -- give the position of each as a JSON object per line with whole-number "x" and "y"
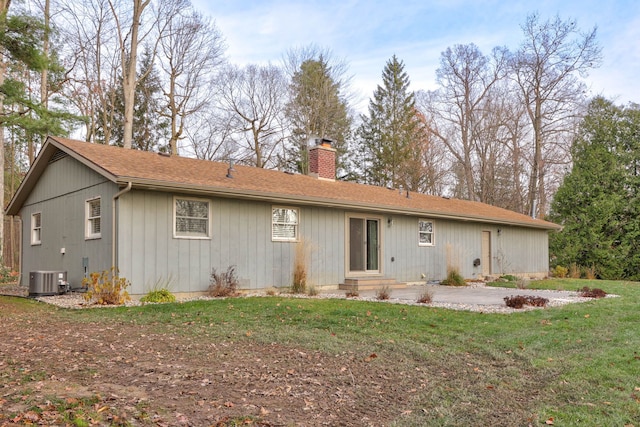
{"x": 454, "y": 278}
{"x": 519, "y": 301}
{"x": 312, "y": 291}
{"x": 559, "y": 271}
{"x": 106, "y": 288}
{"x": 223, "y": 284}
{"x": 590, "y": 272}
{"x": 8, "y": 276}
{"x": 509, "y": 278}
{"x": 159, "y": 295}
{"x": 271, "y": 291}
{"x": 425, "y": 297}
{"x": 522, "y": 283}
{"x": 574, "y": 271}
{"x": 299, "y": 284}
{"x": 352, "y": 294}
{"x": 592, "y": 293}
{"x": 383, "y": 293}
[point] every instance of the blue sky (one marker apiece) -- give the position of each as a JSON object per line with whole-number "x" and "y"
{"x": 365, "y": 34}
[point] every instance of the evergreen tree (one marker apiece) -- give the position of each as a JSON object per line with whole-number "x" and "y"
{"x": 598, "y": 201}
{"x": 22, "y": 112}
{"x": 150, "y": 128}
{"x": 317, "y": 109}
{"x": 388, "y": 132}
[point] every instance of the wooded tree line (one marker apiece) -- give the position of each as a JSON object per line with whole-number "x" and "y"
{"x": 152, "y": 75}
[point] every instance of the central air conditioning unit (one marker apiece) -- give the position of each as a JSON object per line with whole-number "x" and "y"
{"x": 47, "y": 283}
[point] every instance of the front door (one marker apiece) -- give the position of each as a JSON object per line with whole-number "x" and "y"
{"x": 364, "y": 245}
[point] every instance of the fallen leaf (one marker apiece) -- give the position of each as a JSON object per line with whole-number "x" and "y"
{"x": 586, "y": 316}
{"x": 549, "y": 422}
{"x": 229, "y": 404}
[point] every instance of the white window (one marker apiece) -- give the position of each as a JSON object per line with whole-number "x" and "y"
{"x": 93, "y": 223}
{"x": 191, "y": 218}
{"x": 425, "y": 233}
{"x": 36, "y": 228}
{"x": 284, "y": 224}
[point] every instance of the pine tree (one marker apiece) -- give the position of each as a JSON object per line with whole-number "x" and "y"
{"x": 388, "y": 132}
{"x": 150, "y": 128}
{"x": 317, "y": 109}
{"x": 598, "y": 201}
{"x": 22, "y": 112}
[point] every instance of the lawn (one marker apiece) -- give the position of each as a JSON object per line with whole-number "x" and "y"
{"x": 350, "y": 362}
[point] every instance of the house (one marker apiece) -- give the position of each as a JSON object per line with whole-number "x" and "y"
{"x": 163, "y": 219}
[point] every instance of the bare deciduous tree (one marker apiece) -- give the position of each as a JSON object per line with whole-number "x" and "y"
{"x": 466, "y": 78}
{"x": 255, "y": 96}
{"x": 192, "y": 48}
{"x": 546, "y": 68}
{"x": 88, "y": 33}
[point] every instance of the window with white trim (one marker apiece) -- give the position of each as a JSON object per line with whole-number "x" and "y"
{"x": 425, "y": 233}
{"x": 284, "y": 224}
{"x": 36, "y": 228}
{"x": 93, "y": 219}
{"x": 191, "y": 218}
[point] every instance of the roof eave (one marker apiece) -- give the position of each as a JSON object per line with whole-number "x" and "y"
{"x": 38, "y": 167}
{"x": 320, "y": 201}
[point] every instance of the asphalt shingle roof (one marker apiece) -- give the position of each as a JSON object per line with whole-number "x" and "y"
{"x": 174, "y": 173}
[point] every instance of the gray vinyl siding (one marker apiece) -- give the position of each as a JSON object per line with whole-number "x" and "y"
{"x": 515, "y": 250}
{"x": 60, "y": 195}
{"x": 149, "y": 255}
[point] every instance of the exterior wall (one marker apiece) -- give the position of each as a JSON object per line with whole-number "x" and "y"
{"x": 60, "y": 196}
{"x": 514, "y": 250}
{"x": 150, "y": 256}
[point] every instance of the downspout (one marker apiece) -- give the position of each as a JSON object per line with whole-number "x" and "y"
{"x": 114, "y": 235}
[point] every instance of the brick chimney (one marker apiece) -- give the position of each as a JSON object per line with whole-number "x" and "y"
{"x": 322, "y": 159}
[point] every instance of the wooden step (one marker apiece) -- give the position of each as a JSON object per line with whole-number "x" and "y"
{"x": 370, "y": 283}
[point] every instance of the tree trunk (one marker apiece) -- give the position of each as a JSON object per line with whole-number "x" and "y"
{"x": 4, "y": 7}
{"x": 129, "y": 77}
{"x": 44, "y": 77}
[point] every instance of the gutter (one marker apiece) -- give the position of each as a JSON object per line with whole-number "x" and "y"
{"x": 325, "y": 202}
{"x": 114, "y": 234}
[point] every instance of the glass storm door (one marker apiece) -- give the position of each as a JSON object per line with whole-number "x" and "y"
{"x": 364, "y": 245}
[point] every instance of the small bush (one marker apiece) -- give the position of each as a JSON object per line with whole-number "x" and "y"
{"x": 454, "y": 278}
{"x": 352, "y": 294}
{"x": 590, "y": 273}
{"x": 106, "y": 288}
{"x": 271, "y": 291}
{"x": 592, "y": 293}
{"x": 425, "y": 297}
{"x": 383, "y": 293}
{"x": 223, "y": 284}
{"x": 159, "y": 296}
{"x": 574, "y": 271}
{"x": 299, "y": 284}
{"x": 509, "y": 278}
{"x": 8, "y": 276}
{"x": 519, "y": 301}
{"x": 522, "y": 283}
{"x": 312, "y": 291}
{"x": 560, "y": 271}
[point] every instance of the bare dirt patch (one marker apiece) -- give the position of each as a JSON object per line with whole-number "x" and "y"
{"x": 126, "y": 374}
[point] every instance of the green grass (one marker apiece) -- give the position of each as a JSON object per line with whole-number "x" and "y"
{"x": 578, "y": 364}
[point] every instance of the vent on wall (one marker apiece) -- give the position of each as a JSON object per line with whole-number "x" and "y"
{"x": 46, "y": 283}
{"x": 59, "y": 154}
